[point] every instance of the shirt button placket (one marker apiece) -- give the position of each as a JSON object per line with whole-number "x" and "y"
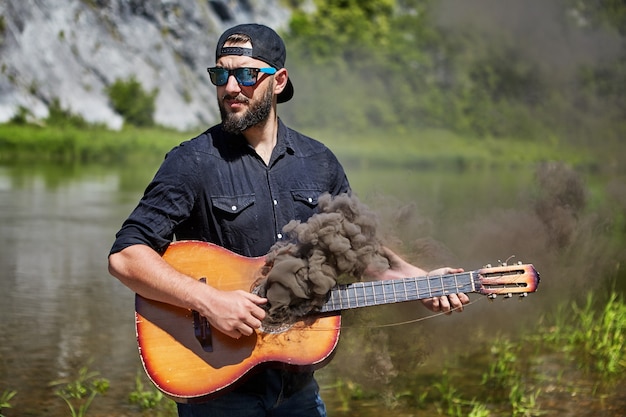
{"x": 279, "y": 235}
{"x": 272, "y": 185}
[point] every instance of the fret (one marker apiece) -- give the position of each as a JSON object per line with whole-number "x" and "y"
{"x": 387, "y": 292}
{"x": 430, "y": 291}
{"x": 360, "y": 301}
{"x": 353, "y": 298}
{"x": 368, "y": 294}
{"x": 363, "y": 294}
{"x": 340, "y": 300}
{"x": 405, "y": 295}
{"x": 330, "y": 303}
{"x": 399, "y": 292}
{"x": 372, "y": 289}
{"x": 414, "y": 289}
{"x": 394, "y": 287}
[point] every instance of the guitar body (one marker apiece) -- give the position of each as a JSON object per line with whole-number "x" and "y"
{"x": 176, "y": 361}
{"x": 189, "y": 361}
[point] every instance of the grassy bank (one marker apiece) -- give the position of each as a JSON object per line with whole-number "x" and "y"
{"x": 72, "y": 145}
{"x": 419, "y": 149}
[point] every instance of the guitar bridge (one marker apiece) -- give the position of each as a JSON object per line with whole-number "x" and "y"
{"x": 202, "y": 329}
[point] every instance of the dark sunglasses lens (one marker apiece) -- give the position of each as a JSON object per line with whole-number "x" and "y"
{"x": 245, "y": 76}
{"x": 219, "y": 76}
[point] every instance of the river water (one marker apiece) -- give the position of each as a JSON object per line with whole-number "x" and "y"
{"x": 60, "y": 310}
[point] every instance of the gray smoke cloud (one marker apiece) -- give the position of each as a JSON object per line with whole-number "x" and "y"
{"x": 340, "y": 240}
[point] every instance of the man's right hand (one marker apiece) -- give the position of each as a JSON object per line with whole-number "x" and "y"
{"x": 234, "y": 313}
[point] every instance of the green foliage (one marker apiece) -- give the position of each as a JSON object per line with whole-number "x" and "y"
{"x": 5, "y": 400}
{"x": 21, "y": 116}
{"x": 501, "y": 370}
{"x": 80, "y": 392}
{"x": 25, "y": 142}
{"x": 450, "y": 403}
{"x": 504, "y": 386}
{"x": 596, "y": 339}
{"x": 151, "y": 400}
{"x": 132, "y": 102}
{"x": 343, "y": 25}
{"x": 59, "y": 116}
{"x": 385, "y": 64}
{"x": 610, "y": 13}
{"x": 511, "y": 377}
{"x": 419, "y": 148}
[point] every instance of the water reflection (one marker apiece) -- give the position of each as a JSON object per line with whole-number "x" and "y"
{"x": 60, "y": 309}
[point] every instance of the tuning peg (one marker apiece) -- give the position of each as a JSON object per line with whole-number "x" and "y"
{"x": 523, "y": 295}
{"x": 492, "y": 296}
{"x": 508, "y": 295}
{"x": 488, "y": 266}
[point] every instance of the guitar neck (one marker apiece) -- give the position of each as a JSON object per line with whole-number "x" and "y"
{"x": 365, "y": 294}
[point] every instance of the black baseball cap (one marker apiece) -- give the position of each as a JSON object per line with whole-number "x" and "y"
{"x": 266, "y": 46}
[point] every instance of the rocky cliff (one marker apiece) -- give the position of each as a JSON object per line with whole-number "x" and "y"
{"x": 72, "y": 50}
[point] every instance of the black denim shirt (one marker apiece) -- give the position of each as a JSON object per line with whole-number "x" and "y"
{"x": 216, "y": 188}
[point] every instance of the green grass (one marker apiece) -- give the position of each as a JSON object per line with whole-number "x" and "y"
{"x": 376, "y": 149}
{"x": 5, "y": 400}
{"x": 593, "y": 334}
{"x": 80, "y": 391}
{"x": 70, "y": 144}
{"x": 516, "y": 377}
{"x": 150, "y": 400}
{"x": 431, "y": 148}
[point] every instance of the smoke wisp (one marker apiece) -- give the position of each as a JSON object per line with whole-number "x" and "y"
{"x": 339, "y": 240}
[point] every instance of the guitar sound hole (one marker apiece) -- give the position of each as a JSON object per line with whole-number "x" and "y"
{"x": 274, "y": 328}
{"x": 268, "y": 325}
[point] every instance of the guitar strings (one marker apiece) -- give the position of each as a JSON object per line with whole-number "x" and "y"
{"x": 417, "y": 320}
{"x": 400, "y": 323}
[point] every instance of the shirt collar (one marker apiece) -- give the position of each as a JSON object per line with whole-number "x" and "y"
{"x": 284, "y": 141}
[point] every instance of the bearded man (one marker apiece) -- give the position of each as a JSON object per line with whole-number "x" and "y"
{"x": 237, "y": 185}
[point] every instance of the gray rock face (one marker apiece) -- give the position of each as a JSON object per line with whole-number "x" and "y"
{"x": 72, "y": 50}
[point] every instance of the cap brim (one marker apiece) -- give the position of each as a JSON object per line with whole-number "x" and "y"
{"x": 287, "y": 93}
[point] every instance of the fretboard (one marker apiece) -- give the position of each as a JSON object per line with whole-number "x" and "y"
{"x": 365, "y": 294}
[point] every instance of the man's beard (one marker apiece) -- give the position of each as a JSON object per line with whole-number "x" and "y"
{"x": 255, "y": 115}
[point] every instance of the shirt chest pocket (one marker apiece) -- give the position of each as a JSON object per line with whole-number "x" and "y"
{"x": 305, "y": 203}
{"x": 232, "y": 206}
{"x": 237, "y": 220}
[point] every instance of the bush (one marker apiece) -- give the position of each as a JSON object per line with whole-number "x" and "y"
{"x": 132, "y": 102}
{"x": 58, "y": 116}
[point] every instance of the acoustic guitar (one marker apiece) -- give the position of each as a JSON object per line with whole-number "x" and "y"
{"x": 189, "y": 362}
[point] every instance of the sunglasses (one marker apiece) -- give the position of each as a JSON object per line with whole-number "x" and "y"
{"x": 244, "y": 76}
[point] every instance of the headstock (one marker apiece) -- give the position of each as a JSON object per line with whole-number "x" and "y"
{"x": 507, "y": 280}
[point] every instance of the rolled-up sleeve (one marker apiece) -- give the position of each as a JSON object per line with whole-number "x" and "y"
{"x": 167, "y": 201}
